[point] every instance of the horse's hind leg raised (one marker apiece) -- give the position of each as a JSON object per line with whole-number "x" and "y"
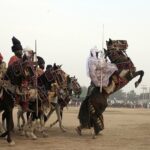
{"x": 141, "y": 73}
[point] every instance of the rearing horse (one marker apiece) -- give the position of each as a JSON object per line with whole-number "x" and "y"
{"x": 126, "y": 69}
{"x": 92, "y": 108}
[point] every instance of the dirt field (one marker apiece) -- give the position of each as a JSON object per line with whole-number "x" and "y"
{"x": 125, "y": 129}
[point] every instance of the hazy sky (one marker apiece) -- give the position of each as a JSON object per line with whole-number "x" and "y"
{"x": 65, "y": 30}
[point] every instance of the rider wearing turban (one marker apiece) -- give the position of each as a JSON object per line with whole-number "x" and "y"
{"x": 41, "y": 66}
{"x": 17, "y": 50}
{"x": 99, "y": 70}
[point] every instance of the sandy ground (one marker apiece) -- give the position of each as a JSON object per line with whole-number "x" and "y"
{"x": 125, "y": 129}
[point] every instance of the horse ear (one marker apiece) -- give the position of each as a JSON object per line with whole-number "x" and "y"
{"x": 54, "y": 65}
{"x": 110, "y": 41}
{"x": 24, "y": 58}
{"x": 105, "y": 50}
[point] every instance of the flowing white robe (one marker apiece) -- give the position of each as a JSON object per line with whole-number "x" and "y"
{"x": 100, "y": 71}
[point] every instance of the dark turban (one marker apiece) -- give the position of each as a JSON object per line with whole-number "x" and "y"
{"x": 16, "y": 45}
{"x": 40, "y": 60}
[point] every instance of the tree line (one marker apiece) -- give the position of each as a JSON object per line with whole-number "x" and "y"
{"x": 121, "y": 95}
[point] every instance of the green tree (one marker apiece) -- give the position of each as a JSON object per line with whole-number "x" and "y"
{"x": 84, "y": 91}
{"x": 119, "y": 95}
{"x": 131, "y": 96}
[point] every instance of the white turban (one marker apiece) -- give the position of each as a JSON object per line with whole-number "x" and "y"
{"x": 93, "y": 51}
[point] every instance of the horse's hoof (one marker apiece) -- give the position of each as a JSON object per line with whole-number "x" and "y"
{"x": 5, "y": 137}
{"x": 33, "y": 136}
{"x": 22, "y": 133}
{"x": 94, "y": 136}
{"x": 12, "y": 143}
{"x": 63, "y": 130}
{"x": 45, "y": 134}
{"x": 27, "y": 134}
{"x": 78, "y": 130}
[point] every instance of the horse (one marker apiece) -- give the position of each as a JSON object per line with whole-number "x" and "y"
{"x": 37, "y": 103}
{"x": 53, "y": 74}
{"x": 126, "y": 70}
{"x": 92, "y": 108}
{"x": 56, "y": 91}
{"x": 16, "y": 74}
{"x": 73, "y": 89}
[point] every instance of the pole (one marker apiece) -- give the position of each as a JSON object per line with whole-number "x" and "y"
{"x": 101, "y": 86}
{"x": 36, "y": 78}
{"x": 103, "y": 37}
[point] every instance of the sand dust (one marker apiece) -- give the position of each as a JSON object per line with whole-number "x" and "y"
{"x": 125, "y": 129}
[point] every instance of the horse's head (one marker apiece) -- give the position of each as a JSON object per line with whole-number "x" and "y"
{"x": 116, "y": 44}
{"x": 116, "y": 50}
{"x": 74, "y": 86}
{"x": 59, "y": 75}
{"x": 49, "y": 74}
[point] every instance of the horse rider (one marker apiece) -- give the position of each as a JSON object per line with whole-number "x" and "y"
{"x": 39, "y": 62}
{"x": 17, "y": 50}
{"x": 99, "y": 71}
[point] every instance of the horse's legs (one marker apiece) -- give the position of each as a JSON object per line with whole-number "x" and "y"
{"x": 3, "y": 120}
{"x": 19, "y": 115}
{"x": 52, "y": 124}
{"x": 50, "y": 113}
{"x": 42, "y": 124}
{"x": 141, "y": 73}
{"x": 4, "y": 131}
{"x": 59, "y": 116}
{"x": 10, "y": 125}
{"x": 79, "y": 130}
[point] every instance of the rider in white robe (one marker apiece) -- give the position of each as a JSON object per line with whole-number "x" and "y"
{"x": 99, "y": 70}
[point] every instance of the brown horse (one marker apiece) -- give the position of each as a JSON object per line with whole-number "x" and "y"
{"x": 92, "y": 108}
{"x": 16, "y": 73}
{"x": 47, "y": 82}
{"x": 126, "y": 69}
{"x": 73, "y": 89}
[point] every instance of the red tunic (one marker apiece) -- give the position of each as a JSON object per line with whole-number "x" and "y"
{"x": 12, "y": 60}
